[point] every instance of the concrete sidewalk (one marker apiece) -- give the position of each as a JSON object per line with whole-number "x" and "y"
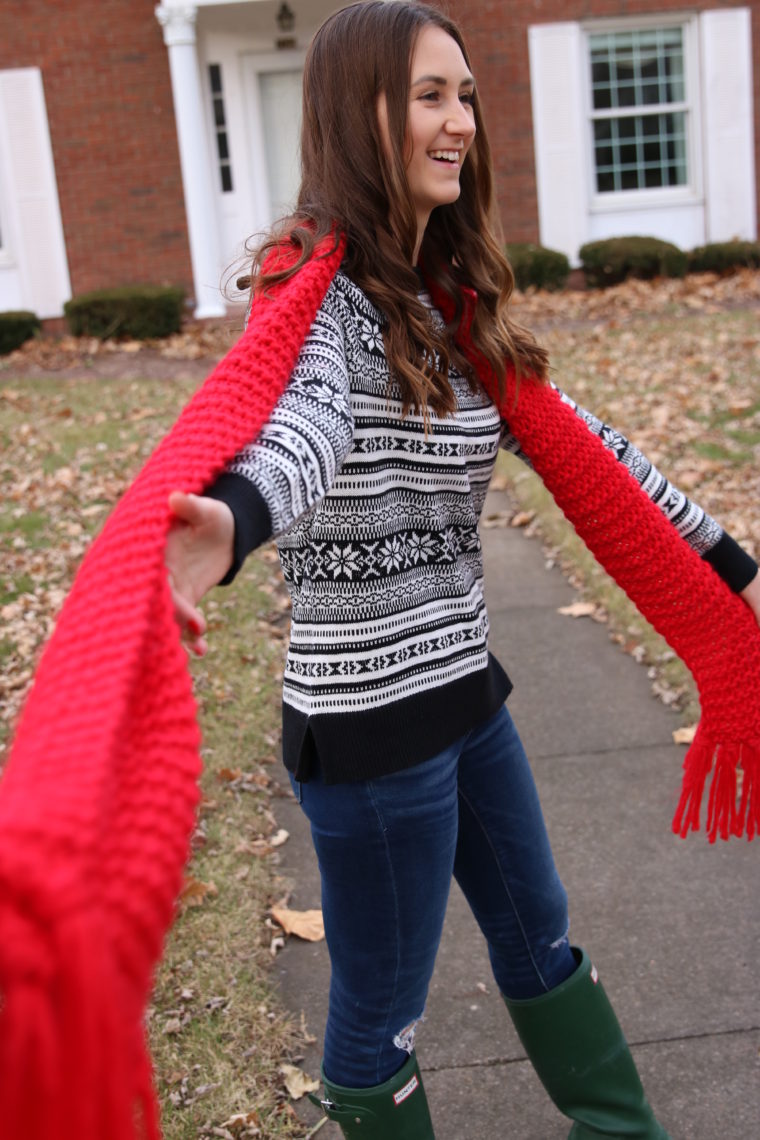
{"x": 673, "y": 926}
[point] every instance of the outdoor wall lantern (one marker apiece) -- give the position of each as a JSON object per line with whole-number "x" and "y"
{"x": 286, "y": 22}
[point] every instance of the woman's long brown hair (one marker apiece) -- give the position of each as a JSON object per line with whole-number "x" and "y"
{"x": 351, "y": 184}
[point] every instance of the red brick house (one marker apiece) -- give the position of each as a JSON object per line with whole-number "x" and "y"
{"x": 144, "y": 142}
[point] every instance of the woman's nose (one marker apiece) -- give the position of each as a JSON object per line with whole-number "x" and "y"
{"x": 461, "y": 122}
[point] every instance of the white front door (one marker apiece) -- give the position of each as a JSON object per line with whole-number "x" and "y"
{"x": 273, "y": 96}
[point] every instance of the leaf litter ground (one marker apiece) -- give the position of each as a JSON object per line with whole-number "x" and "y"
{"x": 673, "y": 364}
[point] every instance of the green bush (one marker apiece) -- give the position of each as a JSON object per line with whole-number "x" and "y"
{"x": 538, "y": 266}
{"x": 719, "y": 256}
{"x": 15, "y": 328}
{"x": 614, "y": 259}
{"x": 137, "y": 311}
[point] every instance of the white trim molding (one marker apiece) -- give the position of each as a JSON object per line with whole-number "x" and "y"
{"x": 178, "y": 24}
{"x": 34, "y": 270}
{"x": 556, "y": 85}
{"x": 729, "y": 133}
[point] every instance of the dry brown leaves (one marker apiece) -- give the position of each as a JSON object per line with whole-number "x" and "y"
{"x": 196, "y": 340}
{"x": 306, "y": 924}
{"x": 696, "y": 293}
{"x": 682, "y": 384}
{"x": 51, "y": 505}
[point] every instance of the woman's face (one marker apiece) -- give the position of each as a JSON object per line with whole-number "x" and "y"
{"x": 440, "y": 124}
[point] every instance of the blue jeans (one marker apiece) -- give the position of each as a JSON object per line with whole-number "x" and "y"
{"x": 387, "y": 849}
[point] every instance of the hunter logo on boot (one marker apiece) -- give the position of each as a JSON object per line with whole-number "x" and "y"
{"x": 594, "y": 975}
{"x": 406, "y": 1091}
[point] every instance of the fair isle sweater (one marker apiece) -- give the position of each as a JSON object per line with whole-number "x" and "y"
{"x": 376, "y": 524}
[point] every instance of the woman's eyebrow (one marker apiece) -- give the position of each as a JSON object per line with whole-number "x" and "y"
{"x": 468, "y": 81}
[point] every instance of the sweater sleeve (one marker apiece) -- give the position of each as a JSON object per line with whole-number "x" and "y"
{"x": 291, "y": 465}
{"x": 702, "y": 532}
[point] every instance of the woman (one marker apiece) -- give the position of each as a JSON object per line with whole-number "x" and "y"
{"x": 372, "y": 473}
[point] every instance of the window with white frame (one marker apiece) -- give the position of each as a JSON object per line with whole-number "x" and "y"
{"x": 639, "y": 108}
{"x": 220, "y": 127}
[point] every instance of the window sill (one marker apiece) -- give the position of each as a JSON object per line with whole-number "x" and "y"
{"x": 644, "y": 200}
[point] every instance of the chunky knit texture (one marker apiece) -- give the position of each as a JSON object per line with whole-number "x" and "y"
{"x": 97, "y": 802}
{"x": 98, "y": 799}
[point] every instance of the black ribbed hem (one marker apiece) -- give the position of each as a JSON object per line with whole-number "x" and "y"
{"x": 375, "y": 742}
{"x": 735, "y": 566}
{"x": 253, "y": 525}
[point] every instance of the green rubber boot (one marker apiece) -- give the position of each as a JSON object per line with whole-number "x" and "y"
{"x": 396, "y": 1110}
{"x": 578, "y": 1050}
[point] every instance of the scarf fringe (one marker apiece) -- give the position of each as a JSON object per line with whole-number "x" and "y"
{"x": 733, "y": 801}
{"x": 72, "y": 1065}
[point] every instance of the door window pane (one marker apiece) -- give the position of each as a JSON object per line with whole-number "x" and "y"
{"x": 220, "y": 127}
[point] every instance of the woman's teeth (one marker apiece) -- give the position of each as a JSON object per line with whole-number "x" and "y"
{"x": 445, "y": 155}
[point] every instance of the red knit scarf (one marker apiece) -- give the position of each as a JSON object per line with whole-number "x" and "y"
{"x": 98, "y": 799}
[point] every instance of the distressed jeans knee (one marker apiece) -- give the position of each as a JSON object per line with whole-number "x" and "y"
{"x": 505, "y": 867}
{"x": 404, "y": 1039}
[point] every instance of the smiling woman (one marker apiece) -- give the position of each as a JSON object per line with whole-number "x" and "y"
{"x": 357, "y": 421}
{"x": 371, "y": 472}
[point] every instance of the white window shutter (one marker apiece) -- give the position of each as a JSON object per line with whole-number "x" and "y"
{"x": 726, "y": 49}
{"x": 557, "y": 95}
{"x": 35, "y": 231}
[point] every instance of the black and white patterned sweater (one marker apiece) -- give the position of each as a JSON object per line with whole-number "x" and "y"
{"x": 377, "y": 530}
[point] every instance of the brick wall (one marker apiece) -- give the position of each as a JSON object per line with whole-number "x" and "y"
{"x": 106, "y": 78}
{"x": 497, "y": 36}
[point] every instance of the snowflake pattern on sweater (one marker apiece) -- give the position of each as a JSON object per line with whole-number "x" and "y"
{"x": 376, "y": 523}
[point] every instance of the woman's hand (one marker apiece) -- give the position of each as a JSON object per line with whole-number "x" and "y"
{"x": 751, "y": 595}
{"x": 199, "y": 552}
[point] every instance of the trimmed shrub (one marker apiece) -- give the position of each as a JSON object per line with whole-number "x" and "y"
{"x": 719, "y": 256}
{"x": 15, "y": 328}
{"x": 613, "y": 260}
{"x": 137, "y": 311}
{"x": 538, "y": 266}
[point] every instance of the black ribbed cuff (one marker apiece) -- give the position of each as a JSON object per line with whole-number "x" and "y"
{"x": 735, "y": 566}
{"x": 253, "y": 525}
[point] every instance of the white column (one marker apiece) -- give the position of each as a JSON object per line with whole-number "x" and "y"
{"x": 178, "y": 24}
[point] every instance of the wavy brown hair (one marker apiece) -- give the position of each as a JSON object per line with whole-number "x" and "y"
{"x": 352, "y": 183}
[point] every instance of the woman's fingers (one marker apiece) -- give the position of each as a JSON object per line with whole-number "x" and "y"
{"x": 188, "y": 615}
{"x": 199, "y": 552}
{"x": 191, "y": 622}
{"x": 190, "y": 619}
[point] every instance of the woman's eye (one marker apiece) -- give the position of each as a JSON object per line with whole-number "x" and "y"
{"x": 467, "y": 97}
